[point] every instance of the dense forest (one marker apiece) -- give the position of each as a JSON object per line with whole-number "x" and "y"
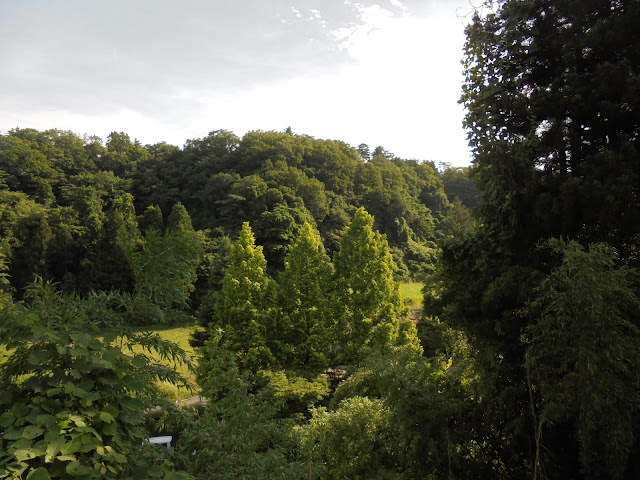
{"x": 288, "y": 250}
{"x": 68, "y": 201}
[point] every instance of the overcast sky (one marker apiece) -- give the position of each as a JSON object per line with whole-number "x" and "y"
{"x": 381, "y": 72}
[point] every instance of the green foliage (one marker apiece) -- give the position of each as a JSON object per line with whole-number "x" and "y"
{"x": 28, "y": 258}
{"x": 431, "y": 404}
{"x": 241, "y": 433}
{"x": 122, "y": 155}
{"x": 72, "y": 209}
{"x": 5, "y": 286}
{"x": 164, "y": 268}
{"x": 295, "y": 393}
{"x": 215, "y": 261}
{"x": 180, "y": 335}
{"x": 98, "y": 214}
{"x": 367, "y": 298}
{"x": 553, "y": 123}
{"x": 179, "y": 220}
{"x": 304, "y": 297}
{"x": 552, "y": 116}
{"x": 277, "y": 181}
{"x": 242, "y": 440}
{"x": 584, "y": 348}
{"x": 27, "y": 167}
{"x": 74, "y": 389}
{"x": 458, "y": 220}
{"x": 335, "y": 223}
{"x": 277, "y": 228}
{"x": 354, "y": 441}
{"x": 241, "y": 308}
{"x": 218, "y": 371}
{"x": 151, "y": 218}
{"x": 457, "y": 183}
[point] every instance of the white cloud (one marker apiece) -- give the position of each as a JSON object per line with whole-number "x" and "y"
{"x": 380, "y": 72}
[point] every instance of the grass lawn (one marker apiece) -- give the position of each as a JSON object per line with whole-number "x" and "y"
{"x": 179, "y": 335}
{"x": 411, "y": 294}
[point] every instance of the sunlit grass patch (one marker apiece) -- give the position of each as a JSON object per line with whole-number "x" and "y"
{"x": 411, "y": 294}
{"x": 179, "y": 335}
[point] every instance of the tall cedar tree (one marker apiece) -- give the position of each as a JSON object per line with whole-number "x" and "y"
{"x": 151, "y": 218}
{"x": 551, "y": 92}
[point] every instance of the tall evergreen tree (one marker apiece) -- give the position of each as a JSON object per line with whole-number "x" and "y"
{"x": 551, "y": 96}
{"x": 458, "y": 220}
{"x": 151, "y": 218}
{"x": 179, "y": 219}
{"x": 368, "y": 297}
{"x": 304, "y": 300}
{"x": 241, "y": 306}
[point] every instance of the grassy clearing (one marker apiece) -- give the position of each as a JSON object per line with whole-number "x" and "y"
{"x": 179, "y": 335}
{"x": 411, "y": 294}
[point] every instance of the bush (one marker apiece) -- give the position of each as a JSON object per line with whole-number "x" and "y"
{"x": 72, "y": 391}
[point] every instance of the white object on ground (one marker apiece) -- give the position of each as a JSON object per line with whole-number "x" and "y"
{"x": 164, "y": 440}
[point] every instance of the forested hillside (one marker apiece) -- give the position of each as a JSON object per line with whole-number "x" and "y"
{"x": 67, "y": 201}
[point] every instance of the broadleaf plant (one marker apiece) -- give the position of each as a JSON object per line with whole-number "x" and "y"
{"x": 75, "y": 386}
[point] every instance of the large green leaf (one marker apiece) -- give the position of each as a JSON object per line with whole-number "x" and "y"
{"x": 39, "y": 357}
{"x": 6, "y": 419}
{"x": 78, "y": 351}
{"x": 39, "y": 474}
{"x": 22, "y": 455}
{"x": 76, "y": 469}
{"x": 66, "y": 458}
{"x": 53, "y": 448}
{"x": 109, "y": 429}
{"x": 109, "y": 336}
{"x": 46, "y": 420}
{"x": 71, "y": 447}
{"x": 106, "y": 417}
{"x": 39, "y": 448}
{"x": 32, "y": 431}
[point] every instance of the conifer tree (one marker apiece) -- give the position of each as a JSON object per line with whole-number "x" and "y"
{"x": 303, "y": 297}
{"x": 552, "y": 113}
{"x": 241, "y": 307}
{"x": 368, "y": 296}
{"x": 179, "y": 219}
{"x": 151, "y": 218}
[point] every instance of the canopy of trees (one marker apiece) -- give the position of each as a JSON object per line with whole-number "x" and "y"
{"x": 119, "y": 235}
{"x": 66, "y": 201}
